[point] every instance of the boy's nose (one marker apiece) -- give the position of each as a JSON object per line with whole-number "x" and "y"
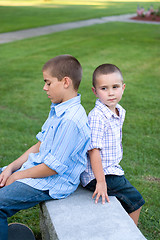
{"x": 110, "y": 91}
{"x": 45, "y": 87}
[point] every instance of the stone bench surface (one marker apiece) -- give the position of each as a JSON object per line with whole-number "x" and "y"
{"x": 79, "y": 218}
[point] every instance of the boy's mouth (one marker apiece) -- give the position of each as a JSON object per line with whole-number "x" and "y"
{"x": 112, "y": 99}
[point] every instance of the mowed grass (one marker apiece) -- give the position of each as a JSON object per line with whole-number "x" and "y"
{"x": 14, "y": 15}
{"x": 134, "y": 48}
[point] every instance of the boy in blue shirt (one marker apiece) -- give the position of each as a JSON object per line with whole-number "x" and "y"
{"x": 51, "y": 168}
{"x": 103, "y": 175}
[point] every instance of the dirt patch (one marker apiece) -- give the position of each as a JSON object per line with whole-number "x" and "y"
{"x": 152, "y": 179}
{"x": 147, "y": 18}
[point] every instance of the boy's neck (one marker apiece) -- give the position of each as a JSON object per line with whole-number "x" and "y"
{"x": 114, "y": 110}
{"x": 117, "y": 112}
{"x": 69, "y": 95}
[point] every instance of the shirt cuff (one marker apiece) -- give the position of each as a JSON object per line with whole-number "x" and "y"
{"x": 39, "y": 136}
{"x": 95, "y": 145}
{"x": 54, "y": 164}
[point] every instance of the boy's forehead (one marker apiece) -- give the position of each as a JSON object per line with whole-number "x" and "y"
{"x": 111, "y": 77}
{"x": 47, "y": 75}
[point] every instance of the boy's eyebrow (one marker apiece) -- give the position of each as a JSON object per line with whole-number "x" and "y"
{"x": 102, "y": 86}
{"x": 46, "y": 80}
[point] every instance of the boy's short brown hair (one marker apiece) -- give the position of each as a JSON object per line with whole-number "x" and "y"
{"x": 65, "y": 66}
{"x": 105, "y": 69}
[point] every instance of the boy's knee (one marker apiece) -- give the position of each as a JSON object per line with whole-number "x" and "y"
{"x": 3, "y": 213}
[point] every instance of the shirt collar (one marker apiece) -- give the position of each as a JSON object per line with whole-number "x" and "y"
{"x": 60, "y": 108}
{"x": 106, "y": 111}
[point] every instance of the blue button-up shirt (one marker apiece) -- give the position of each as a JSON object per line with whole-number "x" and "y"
{"x": 106, "y": 135}
{"x": 64, "y": 138}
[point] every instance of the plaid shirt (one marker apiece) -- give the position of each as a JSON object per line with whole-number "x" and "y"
{"x": 106, "y": 135}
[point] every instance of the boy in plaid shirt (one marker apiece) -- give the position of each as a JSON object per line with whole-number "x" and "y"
{"x": 103, "y": 175}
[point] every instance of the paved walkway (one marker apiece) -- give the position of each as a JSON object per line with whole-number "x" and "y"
{"x": 33, "y": 32}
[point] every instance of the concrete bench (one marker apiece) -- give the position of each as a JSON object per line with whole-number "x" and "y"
{"x": 79, "y": 218}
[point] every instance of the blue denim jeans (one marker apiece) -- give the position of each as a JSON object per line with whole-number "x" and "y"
{"x": 14, "y": 198}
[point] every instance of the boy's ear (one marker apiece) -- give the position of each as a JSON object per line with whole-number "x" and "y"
{"x": 123, "y": 87}
{"x": 94, "y": 91}
{"x": 67, "y": 82}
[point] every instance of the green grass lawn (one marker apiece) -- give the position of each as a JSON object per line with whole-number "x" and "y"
{"x": 134, "y": 48}
{"x": 24, "y": 106}
{"x": 44, "y": 13}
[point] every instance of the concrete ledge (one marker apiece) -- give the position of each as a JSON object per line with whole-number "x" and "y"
{"x": 79, "y": 218}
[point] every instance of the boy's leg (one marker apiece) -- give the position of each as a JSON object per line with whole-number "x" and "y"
{"x": 135, "y": 215}
{"x": 14, "y": 198}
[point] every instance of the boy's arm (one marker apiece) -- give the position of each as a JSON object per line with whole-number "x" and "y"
{"x": 101, "y": 186}
{"x": 39, "y": 171}
{"x": 17, "y": 164}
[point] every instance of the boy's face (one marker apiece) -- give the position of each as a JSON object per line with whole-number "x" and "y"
{"x": 109, "y": 89}
{"x": 53, "y": 88}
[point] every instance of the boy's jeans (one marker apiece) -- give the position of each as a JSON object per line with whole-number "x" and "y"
{"x": 14, "y": 198}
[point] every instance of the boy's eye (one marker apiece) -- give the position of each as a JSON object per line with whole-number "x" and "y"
{"x": 103, "y": 88}
{"x": 48, "y": 84}
{"x": 116, "y": 86}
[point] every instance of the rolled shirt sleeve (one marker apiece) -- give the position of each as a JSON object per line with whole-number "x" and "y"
{"x": 97, "y": 133}
{"x": 53, "y": 163}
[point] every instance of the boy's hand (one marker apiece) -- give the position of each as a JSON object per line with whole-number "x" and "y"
{"x": 101, "y": 190}
{"x": 12, "y": 178}
{"x": 4, "y": 176}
